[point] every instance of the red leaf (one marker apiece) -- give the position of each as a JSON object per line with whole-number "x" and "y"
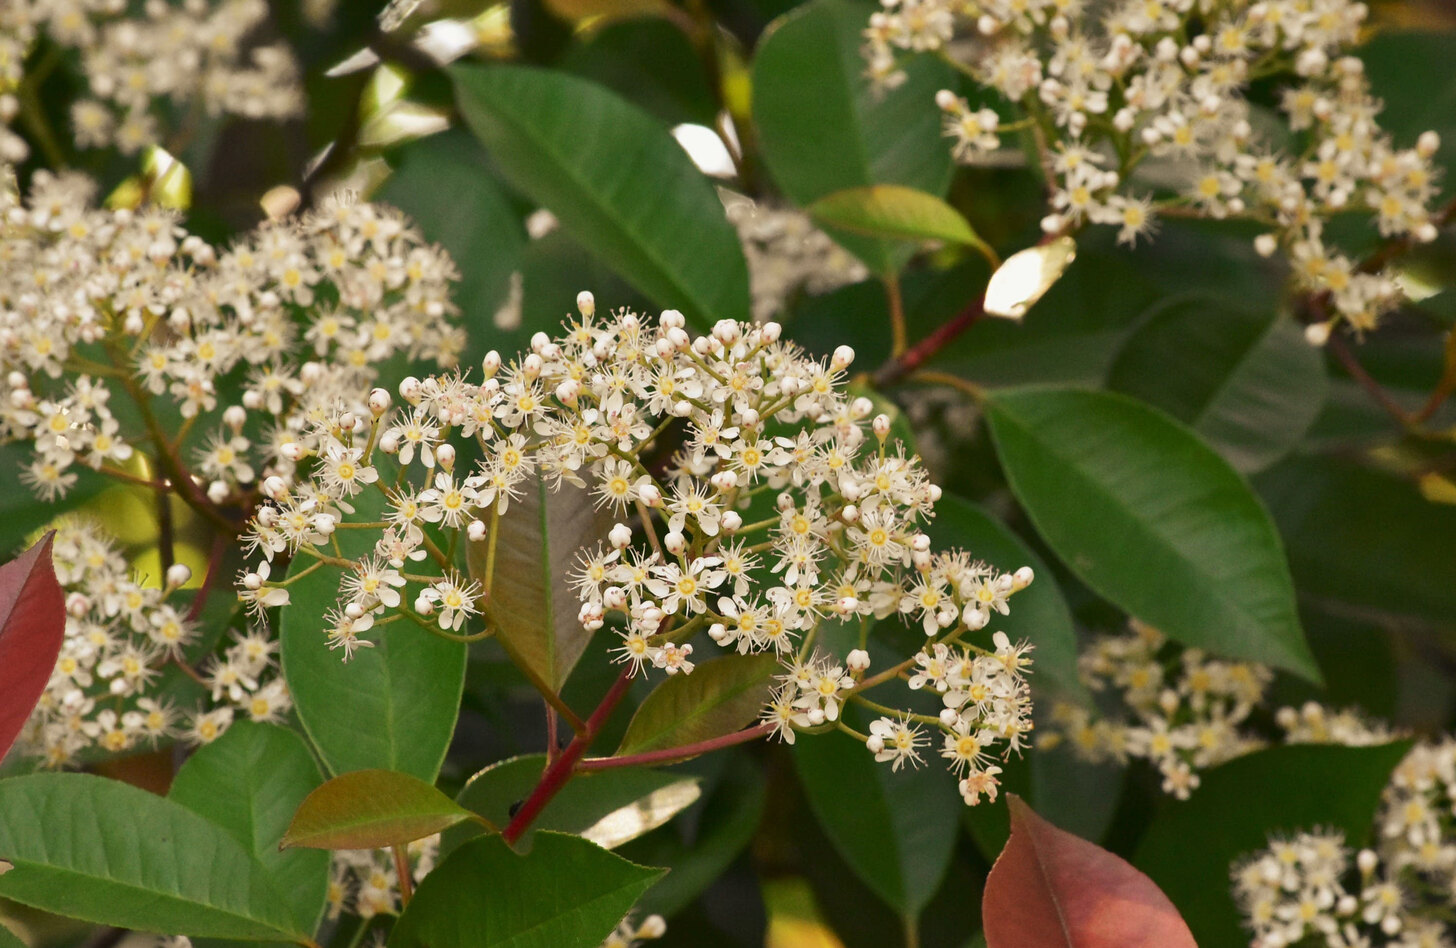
{"x": 1050, "y": 889}
{"x": 32, "y": 627}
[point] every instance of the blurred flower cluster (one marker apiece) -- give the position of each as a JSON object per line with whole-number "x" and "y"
{"x": 1162, "y": 86}
{"x": 786, "y": 254}
{"x": 234, "y": 347}
{"x": 1398, "y": 894}
{"x": 779, "y": 511}
{"x": 143, "y": 62}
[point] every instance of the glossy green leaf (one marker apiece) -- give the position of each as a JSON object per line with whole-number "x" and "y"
{"x": 701, "y": 852}
{"x": 824, "y": 127}
{"x": 1410, "y": 72}
{"x": 392, "y": 706}
{"x": 896, "y": 830}
{"x": 895, "y": 211}
{"x": 616, "y": 180}
{"x": 249, "y": 782}
{"x": 134, "y": 860}
{"x": 565, "y": 893}
{"x": 1038, "y": 613}
{"x": 608, "y": 807}
{"x": 650, "y": 61}
{"x": 1246, "y": 381}
{"x": 532, "y": 606}
{"x": 1365, "y": 542}
{"x": 1190, "y": 845}
{"x": 447, "y": 187}
{"x": 371, "y": 809}
{"x": 8, "y": 939}
{"x": 721, "y": 696}
{"x": 1152, "y": 519}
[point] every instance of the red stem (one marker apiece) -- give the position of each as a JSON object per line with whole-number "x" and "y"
{"x": 917, "y": 355}
{"x": 676, "y": 754}
{"x": 209, "y": 579}
{"x": 559, "y": 771}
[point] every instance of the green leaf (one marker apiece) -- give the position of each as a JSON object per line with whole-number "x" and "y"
{"x": 1364, "y": 542}
{"x": 1246, "y": 381}
{"x": 897, "y": 830}
{"x": 1038, "y": 613}
{"x": 721, "y": 696}
{"x": 447, "y": 187}
{"x": 616, "y": 180}
{"x": 391, "y": 707}
{"x": 1410, "y": 72}
{"x": 106, "y": 852}
{"x": 650, "y": 61}
{"x": 609, "y": 807}
{"x": 823, "y": 127}
{"x": 371, "y": 809}
{"x": 1152, "y": 519}
{"x": 565, "y": 893}
{"x": 9, "y": 940}
{"x": 1190, "y": 845}
{"x": 532, "y": 605}
{"x": 895, "y": 211}
{"x": 728, "y": 819}
{"x": 249, "y": 782}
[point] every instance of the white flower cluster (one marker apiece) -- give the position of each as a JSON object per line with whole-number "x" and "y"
{"x": 786, "y": 254}
{"x": 139, "y": 58}
{"x": 108, "y": 690}
{"x": 1106, "y": 87}
{"x": 1304, "y": 891}
{"x": 1179, "y": 709}
{"x": 630, "y": 934}
{"x": 365, "y": 882}
{"x": 243, "y": 344}
{"x": 832, "y": 526}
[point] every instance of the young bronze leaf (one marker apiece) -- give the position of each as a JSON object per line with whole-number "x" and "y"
{"x": 32, "y": 627}
{"x": 1050, "y": 889}
{"x": 371, "y": 809}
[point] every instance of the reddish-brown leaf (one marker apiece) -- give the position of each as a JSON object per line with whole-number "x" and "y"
{"x": 1050, "y": 889}
{"x": 32, "y": 627}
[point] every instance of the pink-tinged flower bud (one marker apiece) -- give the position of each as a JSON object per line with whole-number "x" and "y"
{"x": 178, "y": 574}
{"x": 586, "y": 304}
{"x": 620, "y": 536}
{"x": 614, "y": 597}
{"x": 293, "y": 451}
{"x": 568, "y": 392}
{"x": 875, "y": 744}
{"x": 672, "y": 319}
{"x": 881, "y": 426}
{"x": 718, "y": 632}
{"x": 445, "y": 456}
{"x": 389, "y": 444}
{"x": 409, "y": 389}
{"x": 77, "y": 605}
{"x": 1022, "y": 578}
{"x": 816, "y": 716}
{"x": 475, "y": 530}
{"x": 770, "y": 332}
{"x": 275, "y": 488}
{"x": 843, "y": 357}
{"x": 674, "y": 543}
{"x": 424, "y": 607}
{"x": 724, "y": 480}
{"x": 948, "y": 717}
{"x": 651, "y": 496}
{"x": 378, "y": 402}
{"x": 858, "y": 660}
{"x": 846, "y": 605}
{"x": 732, "y": 522}
{"x": 974, "y": 618}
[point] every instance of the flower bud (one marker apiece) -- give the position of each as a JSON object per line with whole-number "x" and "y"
{"x": 475, "y": 530}
{"x": 842, "y": 358}
{"x": 672, "y": 319}
{"x": 378, "y": 402}
{"x": 586, "y": 304}
{"x": 675, "y": 543}
{"x": 614, "y": 597}
{"x": 409, "y": 389}
{"x": 1428, "y": 144}
{"x": 974, "y": 618}
{"x": 850, "y": 514}
{"x": 77, "y": 605}
{"x": 178, "y": 574}
{"x": 816, "y": 716}
{"x": 651, "y": 496}
{"x": 1022, "y": 578}
{"x": 731, "y": 522}
{"x": 875, "y": 744}
{"x": 620, "y": 536}
{"x": 858, "y": 660}
{"x": 293, "y": 451}
{"x": 948, "y": 717}
{"x": 217, "y": 491}
{"x": 234, "y": 416}
{"x": 275, "y": 488}
{"x": 568, "y": 392}
{"x": 946, "y": 100}
{"x": 389, "y": 444}
{"x": 1265, "y": 245}
{"x": 1317, "y": 334}
{"x": 424, "y": 606}
{"x": 445, "y": 456}
{"x": 771, "y": 331}
{"x": 652, "y": 927}
{"x": 1367, "y": 861}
